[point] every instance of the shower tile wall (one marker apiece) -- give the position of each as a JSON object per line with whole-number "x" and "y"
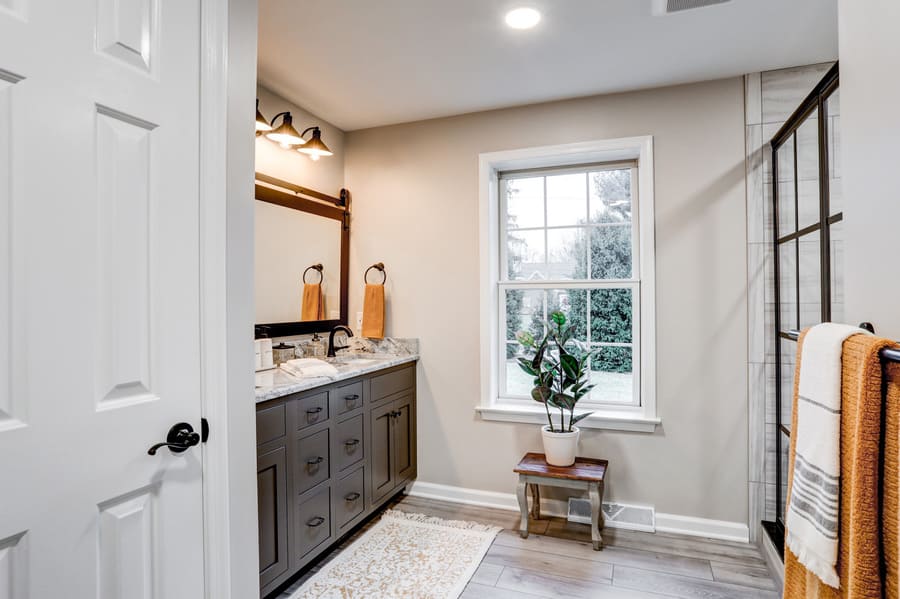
{"x": 770, "y": 98}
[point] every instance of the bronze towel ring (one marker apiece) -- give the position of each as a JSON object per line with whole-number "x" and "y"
{"x": 376, "y": 266}
{"x": 317, "y": 267}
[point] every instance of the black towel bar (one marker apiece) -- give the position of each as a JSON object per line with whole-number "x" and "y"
{"x": 887, "y": 354}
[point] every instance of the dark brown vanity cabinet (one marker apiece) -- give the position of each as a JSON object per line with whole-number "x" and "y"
{"x": 272, "y": 492}
{"x": 326, "y": 459}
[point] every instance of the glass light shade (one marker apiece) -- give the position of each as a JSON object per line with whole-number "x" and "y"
{"x": 315, "y": 147}
{"x": 523, "y": 18}
{"x": 285, "y": 134}
{"x": 261, "y": 123}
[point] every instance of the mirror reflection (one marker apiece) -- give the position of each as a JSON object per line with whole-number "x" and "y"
{"x": 289, "y": 242}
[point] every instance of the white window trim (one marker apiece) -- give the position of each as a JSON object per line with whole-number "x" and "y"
{"x": 641, "y": 418}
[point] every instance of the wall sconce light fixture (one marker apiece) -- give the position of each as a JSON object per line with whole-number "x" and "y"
{"x": 262, "y": 124}
{"x": 285, "y": 134}
{"x": 315, "y": 147}
{"x": 287, "y": 137}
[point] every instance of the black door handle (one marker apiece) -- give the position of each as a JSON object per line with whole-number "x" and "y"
{"x": 314, "y": 522}
{"x": 351, "y": 443}
{"x": 352, "y": 496}
{"x": 181, "y": 437}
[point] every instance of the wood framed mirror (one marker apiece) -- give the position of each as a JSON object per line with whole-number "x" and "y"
{"x": 298, "y": 229}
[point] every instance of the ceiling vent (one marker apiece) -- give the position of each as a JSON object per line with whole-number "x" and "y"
{"x": 667, "y": 7}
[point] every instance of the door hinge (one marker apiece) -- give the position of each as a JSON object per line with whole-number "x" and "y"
{"x": 204, "y": 430}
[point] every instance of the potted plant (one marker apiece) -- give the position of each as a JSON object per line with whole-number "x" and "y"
{"x": 559, "y": 366}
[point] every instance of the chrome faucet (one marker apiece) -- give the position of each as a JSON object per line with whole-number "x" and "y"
{"x": 331, "y": 348}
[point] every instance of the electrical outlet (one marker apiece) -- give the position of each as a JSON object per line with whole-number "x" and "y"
{"x": 359, "y": 321}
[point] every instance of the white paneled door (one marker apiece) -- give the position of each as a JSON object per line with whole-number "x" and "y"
{"x": 99, "y": 299}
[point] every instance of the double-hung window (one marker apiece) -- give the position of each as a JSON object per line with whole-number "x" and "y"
{"x": 569, "y": 239}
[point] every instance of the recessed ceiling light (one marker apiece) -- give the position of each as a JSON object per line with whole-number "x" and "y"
{"x": 523, "y": 18}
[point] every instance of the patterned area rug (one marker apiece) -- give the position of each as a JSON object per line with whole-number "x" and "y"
{"x": 404, "y": 556}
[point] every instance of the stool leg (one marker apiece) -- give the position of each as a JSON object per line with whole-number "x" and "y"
{"x": 521, "y": 495}
{"x": 535, "y": 501}
{"x": 596, "y": 508}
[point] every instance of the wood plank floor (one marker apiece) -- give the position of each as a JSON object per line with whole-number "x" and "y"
{"x": 558, "y": 561}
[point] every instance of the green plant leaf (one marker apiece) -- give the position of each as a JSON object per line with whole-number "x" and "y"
{"x": 539, "y": 356}
{"x": 525, "y": 364}
{"x": 564, "y": 400}
{"x": 541, "y": 394}
{"x": 579, "y": 418}
{"x": 525, "y": 338}
{"x": 558, "y": 318}
{"x": 582, "y": 391}
{"x": 570, "y": 366}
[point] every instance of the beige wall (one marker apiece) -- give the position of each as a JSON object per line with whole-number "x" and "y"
{"x": 870, "y": 129}
{"x": 326, "y": 175}
{"x": 415, "y": 208}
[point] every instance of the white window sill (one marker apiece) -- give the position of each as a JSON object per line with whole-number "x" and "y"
{"x": 607, "y": 419}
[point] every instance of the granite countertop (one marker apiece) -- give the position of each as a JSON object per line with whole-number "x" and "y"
{"x": 362, "y": 357}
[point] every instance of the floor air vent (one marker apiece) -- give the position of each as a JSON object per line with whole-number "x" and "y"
{"x": 666, "y": 7}
{"x": 617, "y": 515}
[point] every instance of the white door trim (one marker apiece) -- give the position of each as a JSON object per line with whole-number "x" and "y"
{"x": 227, "y": 90}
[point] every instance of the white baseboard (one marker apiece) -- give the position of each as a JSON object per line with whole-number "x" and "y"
{"x": 703, "y": 527}
{"x": 673, "y": 523}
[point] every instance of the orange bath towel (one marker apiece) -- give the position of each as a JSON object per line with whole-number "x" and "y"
{"x": 313, "y": 306}
{"x": 890, "y": 505}
{"x": 373, "y": 312}
{"x": 863, "y": 524}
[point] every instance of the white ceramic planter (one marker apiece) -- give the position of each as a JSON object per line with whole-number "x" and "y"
{"x": 560, "y": 448}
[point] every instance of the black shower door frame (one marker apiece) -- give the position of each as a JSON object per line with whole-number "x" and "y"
{"x": 815, "y": 103}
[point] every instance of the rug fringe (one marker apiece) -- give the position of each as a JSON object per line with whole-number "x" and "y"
{"x": 425, "y": 519}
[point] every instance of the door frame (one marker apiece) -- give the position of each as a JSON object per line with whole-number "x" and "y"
{"x": 228, "y": 48}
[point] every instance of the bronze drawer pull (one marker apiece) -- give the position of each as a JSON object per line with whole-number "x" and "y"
{"x": 352, "y": 496}
{"x": 315, "y": 410}
{"x": 315, "y": 461}
{"x": 317, "y": 521}
{"x": 353, "y": 397}
{"x": 351, "y": 443}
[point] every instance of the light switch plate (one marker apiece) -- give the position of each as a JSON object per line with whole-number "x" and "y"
{"x": 358, "y": 322}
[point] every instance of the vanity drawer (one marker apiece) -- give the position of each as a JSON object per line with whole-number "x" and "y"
{"x": 349, "y": 497}
{"x": 350, "y": 442}
{"x": 312, "y": 410}
{"x": 270, "y": 424}
{"x": 347, "y": 398}
{"x": 313, "y": 523}
{"x": 312, "y": 464}
{"x": 388, "y": 384}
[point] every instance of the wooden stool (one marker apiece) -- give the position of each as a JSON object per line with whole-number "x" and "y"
{"x": 586, "y": 474}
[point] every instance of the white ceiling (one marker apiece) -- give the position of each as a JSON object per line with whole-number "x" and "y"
{"x": 365, "y": 63}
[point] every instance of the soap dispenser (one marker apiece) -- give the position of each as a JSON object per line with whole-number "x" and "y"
{"x": 317, "y": 346}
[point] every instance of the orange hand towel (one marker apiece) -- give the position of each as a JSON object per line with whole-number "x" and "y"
{"x": 373, "y": 312}
{"x": 313, "y": 307}
{"x": 862, "y": 517}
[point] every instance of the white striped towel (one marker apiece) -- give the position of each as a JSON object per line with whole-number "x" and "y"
{"x": 813, "y": 511}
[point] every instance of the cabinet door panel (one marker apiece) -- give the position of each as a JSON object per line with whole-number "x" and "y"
{"x": 404, "y": 439}
{"x": 382, "y": 453}
{"x": 271, "y": 481}
{"x": 347, "y": 398}
{"x": 349, "y": 499}
{"x": 311, "y": 410}
{"x": 313, "y": 523}
{"x": 350, "y": 447}
{"x": 312, "y": 464}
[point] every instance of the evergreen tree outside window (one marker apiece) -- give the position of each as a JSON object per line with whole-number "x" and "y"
{"x": 569, "y": 241}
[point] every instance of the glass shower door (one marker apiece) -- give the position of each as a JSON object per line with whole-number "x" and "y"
{"x": 808, "y": 248}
